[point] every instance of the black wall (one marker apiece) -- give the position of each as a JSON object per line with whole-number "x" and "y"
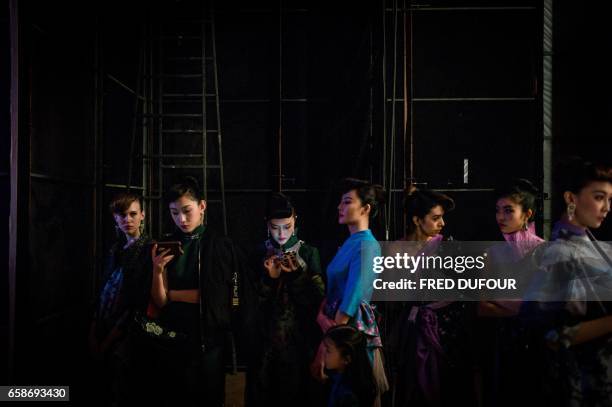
{"x": 332, "y": 56}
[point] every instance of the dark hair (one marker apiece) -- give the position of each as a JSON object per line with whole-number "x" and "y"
{"x": 368, "y": 193}
{"x": 575, "y": 173}
{"x": 521, "y": 191}
{"x": 122, "y": 201}
{"x": 188, "y": 187}
{"x": 351, "y": 343}
{"x": 419, "y": 202}
{"x": 279, "y": 206}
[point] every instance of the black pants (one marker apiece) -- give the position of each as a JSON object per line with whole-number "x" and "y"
{"x": 182, "y": 376}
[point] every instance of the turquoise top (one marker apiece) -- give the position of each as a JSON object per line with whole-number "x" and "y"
{"x": 345, "y": 281}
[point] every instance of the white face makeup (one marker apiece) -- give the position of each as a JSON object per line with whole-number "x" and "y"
{"x": 281, "y": 230}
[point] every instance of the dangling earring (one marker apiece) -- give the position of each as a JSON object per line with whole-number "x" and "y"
{"x": 141, "y": 227}
{"x": 571, "y": 211}
{"x": 526, "y": 225}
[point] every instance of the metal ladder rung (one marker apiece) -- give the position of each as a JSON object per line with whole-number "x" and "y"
{"x": 176, "y": 75}
{"x": 187, "y": 95}
{"x": 192, "y": 166}
{"x": 172, "y": 115}
{"x": 181, "y": 37}
{"x": 174, "y": 156}
{"x": 190, "y": 21}
{"x": 173, "y": 131}
{"x": 188, "y": 58}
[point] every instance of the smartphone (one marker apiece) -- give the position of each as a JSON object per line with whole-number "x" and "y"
{"x": 175, "y": 247}
{"x": 285, "y": 258}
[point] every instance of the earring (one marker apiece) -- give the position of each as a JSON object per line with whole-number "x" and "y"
{"x": 141, "y": 227}
{"x": 571, "y": 210}
{"x": 526, "y": 225}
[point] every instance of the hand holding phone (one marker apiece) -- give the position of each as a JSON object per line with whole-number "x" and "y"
{"x": 173, "y": 248}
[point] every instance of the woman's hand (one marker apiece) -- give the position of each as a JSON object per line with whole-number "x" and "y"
{"x": 272, "y": 265}
{"x": 290, "y": 264}
{"x": 161, "y": 259}
{"x": 323, "y": 320}
{"x": 317, "y": 367}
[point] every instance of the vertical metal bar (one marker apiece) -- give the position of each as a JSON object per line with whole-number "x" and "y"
{"x": 204, "y": 113}
{"x": 280, "y": 95}
{"x": 384, "y": 92}
{"x": 547, "y": 94}
{"x": 160, "y": 128}
{"x": 152, "y": 128}
{"x": 393, "y": 125}
{"x": 411, "y": 75}
{"x": 98, "y": 155}
{"x": 408, "y": 141}
{"x": 219, "y": 135}
{"x": 371, "y": 101}
{"x": 405, "y": 99}
{"x": 15, "y": 178}
{"x": 146, "y": 129}
{"x": 137, "y": 97}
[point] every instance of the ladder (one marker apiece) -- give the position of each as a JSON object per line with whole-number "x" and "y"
{"x": 187, "y": 140}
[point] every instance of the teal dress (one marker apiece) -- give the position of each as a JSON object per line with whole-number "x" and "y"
{"x": 349, "y": 285}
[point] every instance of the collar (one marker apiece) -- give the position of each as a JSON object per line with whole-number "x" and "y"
{"x": 564, "y": 229}
{"x": 195, "y": 234}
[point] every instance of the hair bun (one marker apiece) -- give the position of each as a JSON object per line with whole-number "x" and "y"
{"x": 410, "y": 189}
{"x": 526, "y": 185}
{"x": 192, "y": 182}
{"x": 279, "y": 206}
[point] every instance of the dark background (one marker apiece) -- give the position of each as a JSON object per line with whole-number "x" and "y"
{"x": 76, "y": 124}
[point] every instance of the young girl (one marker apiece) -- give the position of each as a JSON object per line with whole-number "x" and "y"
{"x": 349, "y": 288}
{"x": 287, "y": 274}
{"x": 347, "y": 358}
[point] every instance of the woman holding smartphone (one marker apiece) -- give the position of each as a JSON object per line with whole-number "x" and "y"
{"x": 287, "y": 273}
{"x": 194, "y": 293}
